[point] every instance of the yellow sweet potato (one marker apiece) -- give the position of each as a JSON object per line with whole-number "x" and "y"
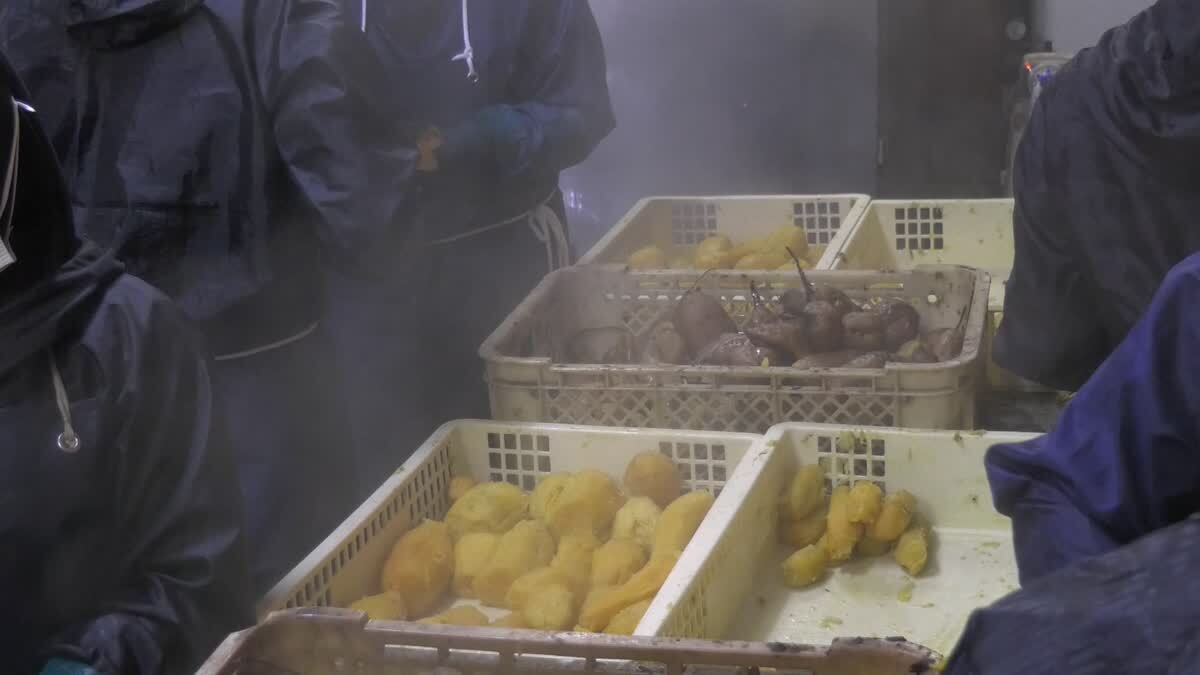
{"x": 841, "y": 535}
{"x": 420, "y": 566}
{"x": 488, "y": 507}
{"x": 616, "y": 561}
{"x": 679, "y": 522}
{"x": 601, "y": 609}
{"x": 527, "y": 546}
{"x": 471, "y": 555}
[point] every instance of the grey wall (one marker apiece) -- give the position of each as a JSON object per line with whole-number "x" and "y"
{"x": 1074, "y": 24}
{"x": 731, "y": 97}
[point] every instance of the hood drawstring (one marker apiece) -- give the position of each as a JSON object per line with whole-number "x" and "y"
{"x": 68, "y": 440}
{"x": 468, "y": 53}
{"x": 362, "y": 22}
{"x": 549, "y": 230}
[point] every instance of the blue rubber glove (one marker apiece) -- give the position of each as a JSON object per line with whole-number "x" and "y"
{"x": 500, "y": 139}
{"x": 65, "y": 667}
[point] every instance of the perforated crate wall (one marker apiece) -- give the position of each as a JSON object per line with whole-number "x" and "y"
{"x": 700, "y": 407}
{"x": 695, "y": 221}
{"x": 424, "y": 494}
{"x": 919, "y": 228}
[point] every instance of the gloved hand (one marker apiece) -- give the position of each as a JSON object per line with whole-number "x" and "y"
{"x": 64, "y": 667}
{"x": 500, "y": 139}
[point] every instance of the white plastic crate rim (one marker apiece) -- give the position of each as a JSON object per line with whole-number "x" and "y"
{"x": 347, "y": 565}
{"x": 731, "y": 586}
{"x": 527, "y": 381}
{"x": 899, "y": 235}
{"x": 673, "y": 223}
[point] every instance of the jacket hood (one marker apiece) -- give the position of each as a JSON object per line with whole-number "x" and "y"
{"x": 53, "y": 287}
{"x": 114, "y": 24}
{"x": 1151, "y": 73}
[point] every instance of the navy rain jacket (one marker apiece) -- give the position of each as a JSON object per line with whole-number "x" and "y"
{"x": 1124, "y": 459}
{"x": 124, "y": 554}
{"x": 1106, "y": 198}
{"x": 542, "y": 60}
{"x": 220, "y": 146}
{"x": 1134, "y": 610}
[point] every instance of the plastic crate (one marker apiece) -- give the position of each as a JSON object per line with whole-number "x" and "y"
{"x": 347, "y": 565}
{"x": 732, "y": 588}
{"x": 526, "y": 384}
{"x": 901, "y": 235}
{"x": 673, "y": 223}
{"x": 324, "y": 641}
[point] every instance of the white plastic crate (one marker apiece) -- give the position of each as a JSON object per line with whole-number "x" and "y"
{"x": 320, "y": 641}
{"x": 674, "y": 223}
{"x": 347, "y": 565}
{"x": 903, "y": 234}
{"x": 526, "y": 384}
{"x": 731, "y": 587}
{"x": 900, "y": 235}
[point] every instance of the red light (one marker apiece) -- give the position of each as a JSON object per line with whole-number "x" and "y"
{"x": 1028, "y": 67}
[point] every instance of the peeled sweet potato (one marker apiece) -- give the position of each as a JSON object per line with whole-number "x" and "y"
{"x": 805, "y": 531}
{"x": 487, "y": 507}
{"x": 895, "y": 516}
{"x": 528, "y": 584}
{"x": 602, "y": 607}
{"x": 545, "y": 492}
{"x": 865, "y": 503}
{"x": 637, "y": 521}
{"x": 841, "y": 534}
{"x": 912, "y": 549}
{"x": 616, "y": 561}
{"x": 626, "y": 621}
{"x": 653, "y": 475}
{"x": 574, "y": 559}
{"x": 551, "y": 608}
{"x": 587, "y": 504}
{"x": 526, "y": 547}
{"x": 806, "y": 566}
{"x": 806, "y": 491}
{"x": 679, "y": 521}
{"x": 420, "y": 566}
{"x": 471, "y": 555}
